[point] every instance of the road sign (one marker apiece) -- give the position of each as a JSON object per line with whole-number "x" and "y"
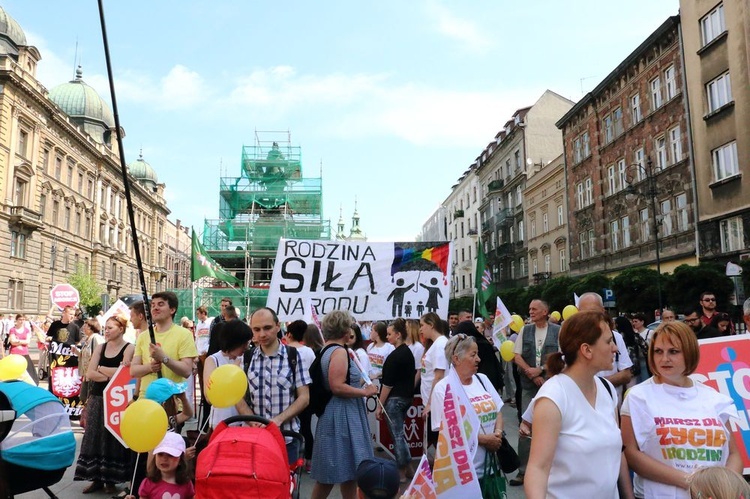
{"x": 64, "y": 295}
{"x": 723, "y": 366}
{"x": 413, "y": 430}
{"x": 117, "y": 396}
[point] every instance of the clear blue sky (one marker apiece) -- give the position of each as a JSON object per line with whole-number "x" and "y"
{"x": 395, "y": 98}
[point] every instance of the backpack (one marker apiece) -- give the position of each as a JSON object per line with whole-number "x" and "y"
{"x": 319, "y": 394}
{"x": 292, "y": 357}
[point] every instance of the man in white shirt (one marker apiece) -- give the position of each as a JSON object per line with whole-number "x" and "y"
{"x": 620, "y": 374}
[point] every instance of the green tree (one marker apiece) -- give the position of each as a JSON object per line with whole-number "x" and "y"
{"x": 688, "y": 282}
{"x": 89, "y": 290}
{"x": 636, "y": 290}
{"x": 558, "y": 292}
{"x": 594, "y": 282}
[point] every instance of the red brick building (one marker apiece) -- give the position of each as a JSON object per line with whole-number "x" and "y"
{"x": 631, "y": 125}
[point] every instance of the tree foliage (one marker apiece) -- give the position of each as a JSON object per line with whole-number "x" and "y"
{"x": 89, "y": 290}
{"x": 636, "y": 290}
{"x": 688, "y": 282}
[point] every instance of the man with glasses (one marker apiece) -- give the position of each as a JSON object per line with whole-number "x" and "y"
{"x": 708, "y": 307}
{"x": 694, "y": 322}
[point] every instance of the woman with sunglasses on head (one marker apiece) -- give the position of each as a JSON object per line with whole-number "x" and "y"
{"x": 669, "y": 421}
{"x": 463, "y": 355}
{"x": 576, "y": 450}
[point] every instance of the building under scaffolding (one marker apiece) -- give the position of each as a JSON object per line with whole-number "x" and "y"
{"x": 270, "y": 200}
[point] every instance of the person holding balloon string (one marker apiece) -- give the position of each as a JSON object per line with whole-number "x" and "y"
{"x": 168, "y": 474}
{"x": 102, "y": 459}
{"x": 233, "y": 342}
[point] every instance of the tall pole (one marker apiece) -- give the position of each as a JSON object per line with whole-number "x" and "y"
{"x": 652, "y": 192}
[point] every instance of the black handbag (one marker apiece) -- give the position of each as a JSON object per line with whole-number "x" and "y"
{"x": 506, "y": 454}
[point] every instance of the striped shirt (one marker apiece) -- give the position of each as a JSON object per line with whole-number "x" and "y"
{"x": 273, "y": 386}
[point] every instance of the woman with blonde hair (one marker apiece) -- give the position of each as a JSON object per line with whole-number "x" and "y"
{"x": 718, "y": 482}
{"x": 669, "y": 418}
{"x": 415, "y": 345}
{"x": 342, "y": 437}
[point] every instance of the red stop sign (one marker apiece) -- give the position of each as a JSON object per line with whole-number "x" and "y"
{"x": 117, "y": 396}
{"x": 64, "y": 295}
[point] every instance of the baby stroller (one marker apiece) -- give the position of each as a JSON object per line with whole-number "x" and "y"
{"x": 244, "y": 462}
{"x": 39, "y": 443}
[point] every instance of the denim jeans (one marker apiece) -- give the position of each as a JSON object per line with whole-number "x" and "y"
{"x": 396, "y": 408}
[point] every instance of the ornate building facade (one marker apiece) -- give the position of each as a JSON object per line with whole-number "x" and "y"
{"x": 63, "y": 206}
{"x": 628, "y": 170}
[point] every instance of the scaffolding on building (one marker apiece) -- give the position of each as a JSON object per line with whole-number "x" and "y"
{"x": 270, "y": 200}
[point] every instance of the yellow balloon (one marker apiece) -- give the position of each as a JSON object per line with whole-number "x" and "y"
{"x": 506, "y": 351}
{"x": 144, "y": 424}
{"x": 516, "y": 323}
{"x": 226, "y": 386}
{"x": 555, "y": 315}
{"x": 12, "y": 367}
{"x": 569, "y": 311}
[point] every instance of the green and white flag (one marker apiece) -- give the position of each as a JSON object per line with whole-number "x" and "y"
{"x": 202, "y": 265}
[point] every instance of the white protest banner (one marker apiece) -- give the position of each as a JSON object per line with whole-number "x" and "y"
{"x": 421, "y": 486}
{"x": 373, "y": 281}
{"x": 453, "y": 471}
{"x": 502, "y": 319}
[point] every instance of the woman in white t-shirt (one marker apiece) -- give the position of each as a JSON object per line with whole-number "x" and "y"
{"x": 357, "y": 344}
{"x": 672, "y": 424}
{"x": 416, "y": 347}
{"x": 577, "y": 450}
{"x": 434, "y": 363}
{"x": 463, "y": 353}
{"x": 378, "y": 350}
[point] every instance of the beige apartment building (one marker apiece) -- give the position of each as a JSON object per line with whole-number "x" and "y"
{"x": 528, "y": 141}
{"x": 63, "y": 205}
{"x": 546, "y": 215}
{"x": 715, "y": 37}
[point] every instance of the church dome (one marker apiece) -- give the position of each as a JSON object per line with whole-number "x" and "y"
{"x": 10, "y": 31}
{"x": 81, "y": 102}
{"x": 143, "y": 172}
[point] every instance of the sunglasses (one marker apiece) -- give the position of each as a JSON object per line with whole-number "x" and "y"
{"x": 709, "y": 299}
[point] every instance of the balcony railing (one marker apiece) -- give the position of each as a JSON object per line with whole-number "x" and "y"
{"x": 496, "y": 185}
{"x": 24, "y": 217}
{"x": 458, "y": 214}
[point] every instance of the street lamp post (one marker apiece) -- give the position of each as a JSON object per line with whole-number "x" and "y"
{"x": 650, "y": 193}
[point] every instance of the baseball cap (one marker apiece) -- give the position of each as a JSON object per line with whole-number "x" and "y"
{"x": 378, "y": 478}
{"x": 171, "y": 444}
{"x": 161, "y": 389}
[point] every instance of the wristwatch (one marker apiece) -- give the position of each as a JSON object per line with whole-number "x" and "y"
{"x": 165, "y": 360}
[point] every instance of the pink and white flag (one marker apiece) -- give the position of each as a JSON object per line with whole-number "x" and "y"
{"x": 502, "y": 319}
{"x": 453, "y": 471}
{"x": 421, "y": 486}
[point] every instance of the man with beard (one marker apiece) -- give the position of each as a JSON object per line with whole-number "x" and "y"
{"x": 694, "y": 322}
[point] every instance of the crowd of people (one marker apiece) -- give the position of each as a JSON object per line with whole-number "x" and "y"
{"x": 596, "y": 393}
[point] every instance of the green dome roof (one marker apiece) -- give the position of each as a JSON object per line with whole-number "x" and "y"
{"x": 78, "y": 100}
{"x": 11, "y": 29}
{"x": 142, "y": 171}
